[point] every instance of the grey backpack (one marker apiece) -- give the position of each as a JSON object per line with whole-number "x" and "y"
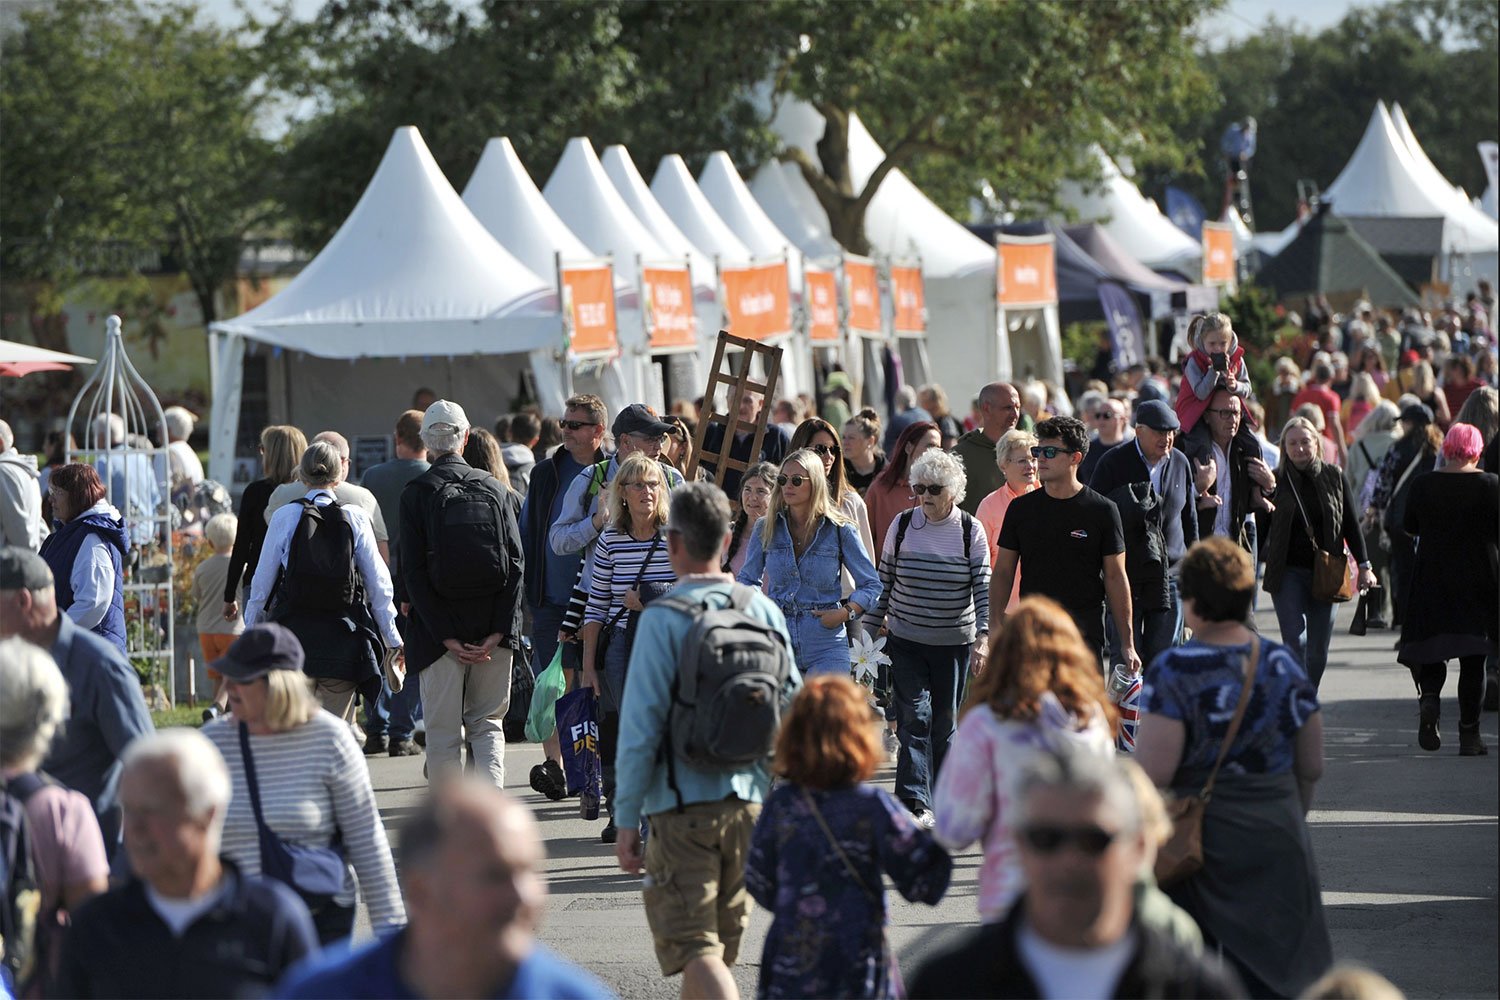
{"x": 727, "y": 695}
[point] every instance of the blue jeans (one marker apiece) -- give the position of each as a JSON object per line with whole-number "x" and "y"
{"x": 1155, "y": 631}
{"x": 396, "y": 714}
{"x": 927, "y": 681}
{"x": 817, "y": 650}
{"x": 1306, "y": 624}
{"x": 546, "y": 619}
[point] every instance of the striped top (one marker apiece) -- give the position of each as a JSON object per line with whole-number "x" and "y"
{"x": 928, "y": 594}
{"x": 313, "y": 781}
{"x": 615, "y": 564}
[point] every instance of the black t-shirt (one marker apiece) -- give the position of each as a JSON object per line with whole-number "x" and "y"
{"x": 1063, "y": 544}
{"x": 859, "y": 482}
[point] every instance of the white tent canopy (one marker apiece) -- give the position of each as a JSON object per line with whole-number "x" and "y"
{"x": 411, "y": 272}
{"x": 790, "y": 204}
{"x": 1463, "y": 208}
{"x": 622, "y": 172}
{"x": 731, "y": 199}
{"x": 1241, "y": 232}
{"x": 505, "y": 199}
{"x": 1132, "y": 220}
{"x": 683, "y": 201}
{"x": 1383, "y": 178}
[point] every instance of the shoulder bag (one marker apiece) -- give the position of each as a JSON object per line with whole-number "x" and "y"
{"x": 606, "y": 634}
{"x": 1330, "y": 577}
{"x": 1182, "y": 855}
{"x": 314, "y": 873}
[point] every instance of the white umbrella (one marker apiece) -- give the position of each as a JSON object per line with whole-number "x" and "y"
{"x": 23, "y": 359}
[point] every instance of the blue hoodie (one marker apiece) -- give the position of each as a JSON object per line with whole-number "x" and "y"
{"x": 61, "y": 550}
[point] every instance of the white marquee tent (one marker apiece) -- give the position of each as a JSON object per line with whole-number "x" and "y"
{"x": 410, "y": 274}
{"x": 1133, "y": 221}
{"x": 790, "y": 204}
{"x": 622, "y": 172}
{"x": 683, "y": 201}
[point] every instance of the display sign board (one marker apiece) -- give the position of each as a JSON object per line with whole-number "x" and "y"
{"x": 1218, "y": 254}
{"x": 1027, "y": 272}
{"x": 822, "y": 291}
{"x": 910, "y": 301}
{"x": 862, "y": 288}
{"x": 757, "y": 300}
{"x": 668, "y": 296}
{"x": 589, "y": 308}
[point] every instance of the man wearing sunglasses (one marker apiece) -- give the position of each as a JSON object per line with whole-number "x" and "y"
{"x": 1110, "y": 431}
{"x": 1076, "y": 932}
{"x": 1070, "y": 541}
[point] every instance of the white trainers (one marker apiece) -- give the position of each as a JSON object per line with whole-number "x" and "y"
{"x": 892, "y": 744}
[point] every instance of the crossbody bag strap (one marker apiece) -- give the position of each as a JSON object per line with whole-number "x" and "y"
{"x": 1251, "y": 666}
{"x": 250, "y": 780}
{"x": 849, "y": 865}
{"x": 1291, "y": 480}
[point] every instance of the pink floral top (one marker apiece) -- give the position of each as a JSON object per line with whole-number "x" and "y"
{"x": 976, "y": 788}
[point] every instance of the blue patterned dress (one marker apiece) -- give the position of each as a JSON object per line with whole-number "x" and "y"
{"x": 827, "y": 936}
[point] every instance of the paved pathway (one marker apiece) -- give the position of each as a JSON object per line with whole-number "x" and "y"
{"x": 1406, "y": 842}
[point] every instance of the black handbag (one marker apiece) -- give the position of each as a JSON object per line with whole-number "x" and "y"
{"x": 314, "y": 873}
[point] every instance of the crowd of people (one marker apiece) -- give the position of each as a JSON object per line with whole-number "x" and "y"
{"x": 1012, "y": 565}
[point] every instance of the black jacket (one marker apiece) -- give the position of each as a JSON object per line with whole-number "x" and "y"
{"x": 118, "y": 946}
{"x": 539, "y": 497}
{"x": 1199, "y": 447}
{"x": 1338, "y": 524}
{"x": 435, "y": 618}
{"x": 1124, "y": 464}
{"x": 987, "y": 963}
{"x": 774, "y": 447}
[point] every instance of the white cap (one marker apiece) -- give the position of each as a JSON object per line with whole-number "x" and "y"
{"x": 446, "y": 415}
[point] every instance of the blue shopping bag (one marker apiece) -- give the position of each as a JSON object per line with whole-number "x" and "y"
{"x": 578, "y": 732}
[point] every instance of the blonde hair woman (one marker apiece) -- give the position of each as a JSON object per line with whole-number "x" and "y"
{"x": 310, "y": 788}
{"x": 1018, "y": 466}
{"x": 1364, "y": 396}
{"x": 803, "y": 543}
{"x": 628, "y": 567}
{"x": 281, "y": 448}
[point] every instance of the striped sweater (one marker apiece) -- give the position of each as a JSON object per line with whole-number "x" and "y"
{"x": 615, "y": 563}
{"x": 928, "y": 594}
{"x": 313, "y": 781}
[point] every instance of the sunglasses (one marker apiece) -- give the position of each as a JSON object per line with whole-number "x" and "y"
{"x": 1105, "y": 415}
{"x": 578, "y": 425}
{"x": 1091, "y": 841}
{"x": 797, "y": 481}
{"x": 823, "y": 449}
{"x": 1049, "y": 451}
{"x": 921, "y": 488}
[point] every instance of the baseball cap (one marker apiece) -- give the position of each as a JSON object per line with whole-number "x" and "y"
{"x": 1158, "y": 416}
{"x": 259, "y": 650}
{"x": 23, "y": 569}
{"x": 1418, "y": 413}
{"x": 638, "y": 418}
{"x": 445, "y": 414}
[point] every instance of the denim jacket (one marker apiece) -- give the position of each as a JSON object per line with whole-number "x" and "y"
{"x": 812, "y": 583}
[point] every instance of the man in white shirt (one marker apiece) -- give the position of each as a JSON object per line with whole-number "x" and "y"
{"x": 20, "y": 496}
{"x": 184, "y": 467}
{"x": 346, "y": 493}
{"x": 1075, "y": 933}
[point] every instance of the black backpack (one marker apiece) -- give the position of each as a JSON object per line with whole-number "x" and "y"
{"x": 20, "y": 908}
{"x": 903, "y": 521}
{"x": 466, "y": 552}
{"x": 320, "y": 574}
{"x": 1141, "y": 511}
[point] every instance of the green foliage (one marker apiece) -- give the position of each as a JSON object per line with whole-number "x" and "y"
{"x": 1080, "y": 343}
{"x": 188, "y": 716}
{"x": 1312, "y": 97}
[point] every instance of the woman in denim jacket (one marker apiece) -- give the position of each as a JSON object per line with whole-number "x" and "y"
{"x": 799, "y": 548}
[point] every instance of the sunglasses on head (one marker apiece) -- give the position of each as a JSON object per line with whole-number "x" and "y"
{"x": 578, "y": 425}
{"x": 921, "y": 488}
{"x": 1049, "y": 451}
{"x": 797, "y": 481}
{"x": 824, "y": 449}
{"x": 1089, "y": 840}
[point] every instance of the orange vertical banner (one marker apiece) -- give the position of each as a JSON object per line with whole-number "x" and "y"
{"x": 669, "y": 308}
{"x": 589, "y": 306}
{"x": 910, "y": 301}
{"x": 1218, "y": 254}
{"x": 1027, "y": 273}
{"x": 864, "y": 296}
{"x": 757, "y": 300}
{"x": 822, "y": 291}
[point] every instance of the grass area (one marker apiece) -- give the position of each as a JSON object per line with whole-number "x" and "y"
{"x": 182, "y": 715}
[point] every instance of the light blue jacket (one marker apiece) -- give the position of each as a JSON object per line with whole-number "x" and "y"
{"x": 812, "y": 582}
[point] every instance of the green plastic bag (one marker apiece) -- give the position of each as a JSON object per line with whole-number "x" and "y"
{"x": 551, "y": 684}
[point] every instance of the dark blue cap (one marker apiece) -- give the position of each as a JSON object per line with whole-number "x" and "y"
{"x": 1155, "y": 414}
{"x": 258, "y": 651}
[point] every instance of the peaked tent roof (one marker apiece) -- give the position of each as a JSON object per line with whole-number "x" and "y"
{"x": 726, "y": 192}
{"x": 410, "y": 258}
{"x": 1329, "y": 257}
{"x": 584, "y": 198}
{"x": 1383, "y": 178}
{"x": 1462, "y": 206}
{"x": 1117, "y": 263}
{"x": 683, "y": 201}
{"x": 621, "y": 170}
{"x": 900, "y": 220}
{"x": 790, "y": 203}
{"x": 1132, "y": 219}
{"x": 505, "y": 199}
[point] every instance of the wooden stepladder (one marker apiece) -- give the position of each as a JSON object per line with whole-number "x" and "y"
{"x": 738, "y": 383}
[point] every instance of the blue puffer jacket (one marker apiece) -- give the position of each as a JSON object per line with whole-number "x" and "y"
{"x": 60, "y": 550}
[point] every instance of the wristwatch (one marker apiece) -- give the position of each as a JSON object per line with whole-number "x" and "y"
{"x": 854, "y": 615}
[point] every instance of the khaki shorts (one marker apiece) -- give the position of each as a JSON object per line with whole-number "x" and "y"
{"x": 694, "y": 888}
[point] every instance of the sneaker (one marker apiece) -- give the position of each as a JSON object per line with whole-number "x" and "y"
{"x": 404, "y": 748}
{"x": 892, "y": 744}
{"x": 548, "y": 779}
{"x": 376, "y": 745}
{"x": 210, "y": 713}
{"x": 1469, "y": 743}
{"x": 420, "y": 736}
{"x": 1428, "y": 712}
{"x": 925, "y": 818}
{"x": 609, "y": 834}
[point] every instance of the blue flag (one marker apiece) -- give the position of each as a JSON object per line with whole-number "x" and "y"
{"x": 1124, "y": 324}
{"x": 1185, "y": 212}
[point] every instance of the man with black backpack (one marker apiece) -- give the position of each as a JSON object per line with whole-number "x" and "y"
{"x": 710, "y": 676}
{"x": 462, "y": 565}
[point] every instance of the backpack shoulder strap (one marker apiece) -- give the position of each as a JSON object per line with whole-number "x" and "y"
{"x": 23, "y": 786}
{"x": 903, "y": 521}
{"x": 968, "y": 522}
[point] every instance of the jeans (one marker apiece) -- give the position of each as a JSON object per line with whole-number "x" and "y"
{"x": 1306, "y": 624}
{"x": 1155, "y": 631}
{"x": 817, "y": 650}
{"x": 546, "y": 619}
{"x": 927, "y": 680}
{"x": 396, "y": 714}
{"x": 1090, "y": 622}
